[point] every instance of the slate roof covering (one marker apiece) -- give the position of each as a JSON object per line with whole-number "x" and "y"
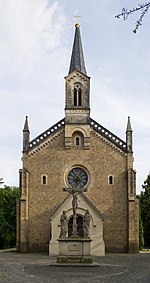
{"x": 77, "y": 58}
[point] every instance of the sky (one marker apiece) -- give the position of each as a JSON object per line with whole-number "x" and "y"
{"x": 36, "y": 38}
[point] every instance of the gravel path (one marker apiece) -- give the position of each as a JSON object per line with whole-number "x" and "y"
{"x": 40, "y": 268}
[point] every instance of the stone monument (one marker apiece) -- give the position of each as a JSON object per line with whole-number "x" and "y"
{"x": 74, "y": 249}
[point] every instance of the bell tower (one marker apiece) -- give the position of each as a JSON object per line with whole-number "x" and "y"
{"x": 77, "y": 102}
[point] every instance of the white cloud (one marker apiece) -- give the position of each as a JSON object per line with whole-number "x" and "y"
{"x": 29, "y": 30}
{"x": 31, "y": 42}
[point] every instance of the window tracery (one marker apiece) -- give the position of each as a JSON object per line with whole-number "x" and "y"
{"x": 77, "y": 92}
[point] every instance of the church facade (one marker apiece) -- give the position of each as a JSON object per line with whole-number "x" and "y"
{"x": 78, "y": 151}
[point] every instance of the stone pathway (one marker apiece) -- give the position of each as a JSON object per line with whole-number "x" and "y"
{"x": 40, "y": 268}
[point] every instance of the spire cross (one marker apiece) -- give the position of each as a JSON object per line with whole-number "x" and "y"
{"x": 77, "y": 16}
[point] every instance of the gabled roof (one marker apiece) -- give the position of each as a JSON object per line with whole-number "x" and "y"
{"x": 77, "y": 58}
{"x": 106, "y": 134}
{"x": 86, "y": 200}
{"x": 45, "y": 135}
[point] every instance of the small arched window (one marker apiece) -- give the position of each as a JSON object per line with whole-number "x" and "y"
{"x": 44, "y": 180}
{"x": 77, "y": 141}
{"x": 110, "y": 180}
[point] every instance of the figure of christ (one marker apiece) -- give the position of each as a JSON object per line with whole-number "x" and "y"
{"x": 74, "y": 192}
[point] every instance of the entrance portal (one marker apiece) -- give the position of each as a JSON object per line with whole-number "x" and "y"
{"x": 79, "y": 226}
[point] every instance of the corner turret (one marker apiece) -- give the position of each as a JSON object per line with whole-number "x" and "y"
{"x": 26, "y": 135}
{"x": 129, "y": 136}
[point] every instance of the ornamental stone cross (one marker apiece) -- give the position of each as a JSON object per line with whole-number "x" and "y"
{"x": 75, "y": 192}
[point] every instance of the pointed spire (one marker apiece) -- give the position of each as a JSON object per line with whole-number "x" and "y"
{"x": 129, "y": 136}
{"x": 77, "y": 58}
{"x": 26, "y": 135}
{"x": 26, "y": 126}
{"x": 129, "y": 129}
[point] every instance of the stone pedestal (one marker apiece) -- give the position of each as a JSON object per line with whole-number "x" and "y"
{"x": 74, "y": 250}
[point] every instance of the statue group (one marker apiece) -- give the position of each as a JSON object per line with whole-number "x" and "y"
{"x": 64, "y": 224}
{"x": 75, "y": 248}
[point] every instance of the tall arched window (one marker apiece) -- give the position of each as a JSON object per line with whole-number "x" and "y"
{"x": 77, "y": 95}
{"x": 80, "y": 96}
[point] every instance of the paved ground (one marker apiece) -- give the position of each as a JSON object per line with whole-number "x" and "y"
{"x": 39, "y": 268}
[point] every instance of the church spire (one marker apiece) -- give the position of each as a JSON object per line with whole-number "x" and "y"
{"x": 77, "y": 58}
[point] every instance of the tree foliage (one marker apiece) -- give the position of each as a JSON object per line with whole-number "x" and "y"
{"x": 8, "y": 196}
{"x": 145, "y": 210}
{"x": 1, "y": 181}
{"x": 141, "y": 232}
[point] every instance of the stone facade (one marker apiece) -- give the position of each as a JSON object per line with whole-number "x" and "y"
{"x": 77, "y": 141}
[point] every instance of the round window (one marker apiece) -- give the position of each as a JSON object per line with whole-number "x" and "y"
{"x": 77, "y": 178}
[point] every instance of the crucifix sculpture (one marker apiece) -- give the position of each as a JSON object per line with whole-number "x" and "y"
{"x": 75, "y": 192}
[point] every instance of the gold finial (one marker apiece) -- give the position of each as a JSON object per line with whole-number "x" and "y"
{"x": 77, "y": 16}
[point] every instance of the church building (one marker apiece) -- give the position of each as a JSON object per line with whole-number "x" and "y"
{"x": 78, "y": 152}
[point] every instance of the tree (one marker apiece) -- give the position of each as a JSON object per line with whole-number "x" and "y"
{"x": 1, "y": 181}
{"x": 8, "y": 196}
{"x": 141, "y": 233}
{"x": 145, "y": 210}
{"x": 143, "y": 9}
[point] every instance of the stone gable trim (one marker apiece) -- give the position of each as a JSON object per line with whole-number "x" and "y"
{"x": 101, "y": 215}
{"x": 46, "y": 143}
{"x": 86, "y": 199}
{"x": 109, "y": 143}
{"x": 77, "y": 74}
{"x": 57, "y": 208}
{"x": 45, "y": 135}
{"x": 107, "y": 136}
{"x": 43, "y": 139}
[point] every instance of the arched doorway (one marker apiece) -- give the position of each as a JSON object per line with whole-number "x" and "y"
{"x": 79, "y": 225}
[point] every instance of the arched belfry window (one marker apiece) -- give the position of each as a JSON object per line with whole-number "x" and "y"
{"x": 75, "y": 97}
{"x": 80, "y": 96}
{"x": 77, "y": 92}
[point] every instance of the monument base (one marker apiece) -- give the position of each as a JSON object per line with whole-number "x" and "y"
{"x": 74, "y": 250}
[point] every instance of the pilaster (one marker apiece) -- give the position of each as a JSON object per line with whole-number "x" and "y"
{"x": 23, "y": 207}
